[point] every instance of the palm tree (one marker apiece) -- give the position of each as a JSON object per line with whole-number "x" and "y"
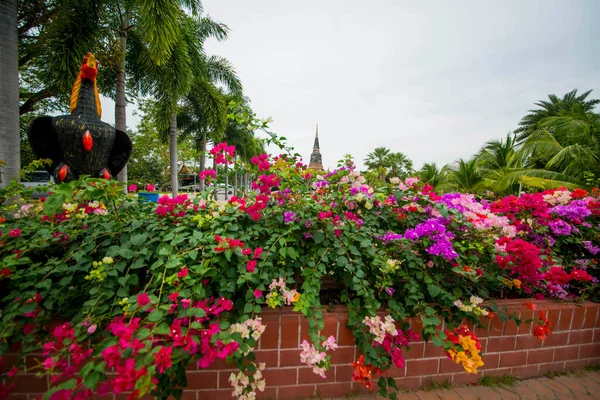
{"x": 551, "y": 108}
{"x": 498, "y": 162}
{"x": 9, "y": 92}
{"x": 564, "y": 151}
{"x": 157, "y": 28}
{"x": 399, "y": 164}
{"x": 187, "y": 66}
{"x": 203, "y": 116}
{"x": 465, "y": 177}
{"x": 377, "y": 158}
{"x": 431, "y": 174}
{"x": 378, "y": 161}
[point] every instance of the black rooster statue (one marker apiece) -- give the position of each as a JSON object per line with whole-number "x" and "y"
{"x": 80, "y": 143}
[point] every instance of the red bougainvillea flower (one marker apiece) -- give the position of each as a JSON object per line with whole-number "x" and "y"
{"x": 143, "y": 299}
{"x": 5, "y": 272}
{"x": 251, "y": 265}
{"x": 543, "y": 330}
{"x": 14, "y": 232}
{"x": 163, "y": 359}
{"x": 579, "y": 193}
{"x": 183, "y": 273}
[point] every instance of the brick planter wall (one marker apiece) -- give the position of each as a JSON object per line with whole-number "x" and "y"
{"x": 507, "y": 350}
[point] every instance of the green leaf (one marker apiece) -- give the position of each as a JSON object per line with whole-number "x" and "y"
{"x": 126, "y": 253}
{"x": 438, "y": 341}
{"x": 163, "y": 329}
{"x": 433, "y": 290}
{"x": 53, "y": 203}
{"x": 318, "y": 237}
{"x": 139, "y": 263}
{"x": 174, "y": 262}
{"x": 143, "y": 333}
{"x": 138, "y": 239}
{"x": 155, "y": 316}
{"x": 164, "y": 249}
{"x": 91, "y": 380}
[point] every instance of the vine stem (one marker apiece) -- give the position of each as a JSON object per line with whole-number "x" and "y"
{"x": 161, "y": 286}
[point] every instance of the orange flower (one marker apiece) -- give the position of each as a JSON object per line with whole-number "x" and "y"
{"x": 363, "y": 372}
{"x": 2, "y": 220}
{"x": 531, "y": 305}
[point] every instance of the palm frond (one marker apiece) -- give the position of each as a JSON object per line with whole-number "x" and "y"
{"x": 159, "y": 22}
{"x": 221, "y": 71}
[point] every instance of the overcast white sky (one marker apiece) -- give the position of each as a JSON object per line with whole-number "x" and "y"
{"x": 433, "y": 79}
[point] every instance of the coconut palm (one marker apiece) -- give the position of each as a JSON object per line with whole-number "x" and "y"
{"x": 399, "y": 165}
{"x": 498, "y": 161}
{"x": 551, "y": 108}
{"x": 564, "y": 151}
{"x": 189, "y": 72}
{"x": 378, "y": 158}
{"x": 465, "y": 176}
{"x": 431, "y": 174}
{"x": 9, "y": 92}
{"x": 155, "y": 27}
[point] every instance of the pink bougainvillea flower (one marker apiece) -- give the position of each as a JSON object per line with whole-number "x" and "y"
{"x": 143, "y": 299}
{"x": 183, "y": 273}
{"x": 14, "y": 232}
{"x": 258, "y": 293}
{"x": 132, "y": 188}
{"x": 258, "y": 252}
{"x": 251, "y": 265}
{"x": 92, "y": 329}
{"x": 150, "y": 187}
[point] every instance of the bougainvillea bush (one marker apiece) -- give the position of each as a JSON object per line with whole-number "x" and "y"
{"x": 120, "y": 295}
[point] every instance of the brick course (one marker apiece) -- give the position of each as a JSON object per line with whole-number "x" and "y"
{"x": 508, "y": 349}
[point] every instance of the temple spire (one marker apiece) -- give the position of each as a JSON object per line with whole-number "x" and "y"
{"x": 315, "y": 158}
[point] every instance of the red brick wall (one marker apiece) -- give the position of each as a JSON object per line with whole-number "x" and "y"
{"x": 507, "y": 350}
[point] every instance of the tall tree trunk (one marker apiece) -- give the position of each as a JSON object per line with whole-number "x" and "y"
{"x": 216, "y": 187}
{"x": 9, "y": 92}
{"x": 235, "y": 183}
{"x": 173, "y": 154}
{"x": 226, "y": 180}
{"x": 203, "y": 159}
{"x": 120, "y": 100}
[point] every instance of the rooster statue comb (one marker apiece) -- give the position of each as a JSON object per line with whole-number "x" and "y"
{"x": 80, "y": 143}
